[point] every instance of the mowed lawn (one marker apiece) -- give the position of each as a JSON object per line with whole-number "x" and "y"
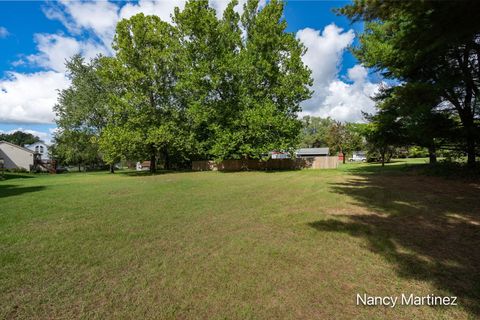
{"x": 246, "y": 245}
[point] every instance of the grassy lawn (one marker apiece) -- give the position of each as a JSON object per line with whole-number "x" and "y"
{"x": 210, "y": 245}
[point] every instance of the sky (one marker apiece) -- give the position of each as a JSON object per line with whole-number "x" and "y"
{"x": 37, "y": 37}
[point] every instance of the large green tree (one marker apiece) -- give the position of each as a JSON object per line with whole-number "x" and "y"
{"x": 242, "y": 90}
{"x": 145, "y": 118}
{"x": 82, "y": 114}
{"x": 434, "y": 42}
{"x": 203, "y": 87}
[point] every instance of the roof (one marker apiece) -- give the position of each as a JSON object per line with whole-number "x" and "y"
{"x": 14, "y": 145}
{"x": 312, "y": 151}
{"x": 37, "y": 143}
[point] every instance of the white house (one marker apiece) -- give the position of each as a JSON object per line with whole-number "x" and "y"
{"x": 39, "y": 148}
{"x": 16, "y": 157}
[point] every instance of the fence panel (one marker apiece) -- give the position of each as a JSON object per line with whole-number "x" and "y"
{"x": 271, "y": 164}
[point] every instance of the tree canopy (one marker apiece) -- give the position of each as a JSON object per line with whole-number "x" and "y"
{"x": 201, "y": 88}
{"x": 19, "y": 138}
{"x": 433, "y": 43}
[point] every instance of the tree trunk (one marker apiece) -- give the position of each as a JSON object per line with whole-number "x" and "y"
{"x": 383, "y": 157}
{"x": 79, "y": 168}
{"x": 167, "y": 159}
{"x": 432, "y": 153}
{"x": 112, "y": 168}
{"x": 344, "y": 156}
{"x": 467, "y": 119}
{"x": 470, "y": 148}
{"x": 153, "y": 167}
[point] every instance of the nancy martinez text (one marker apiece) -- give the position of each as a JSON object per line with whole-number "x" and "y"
{"x": 405, "y": 300}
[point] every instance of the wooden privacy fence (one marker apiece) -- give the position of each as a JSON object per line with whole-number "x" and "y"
{"x": 270, "y": 164}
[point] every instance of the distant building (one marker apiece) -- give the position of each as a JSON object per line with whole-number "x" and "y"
{"x": 39, "y": 148}
{"x": 279, "y": 155}
{"x": 312, "y": 152}
{"x": 16, "y": 157}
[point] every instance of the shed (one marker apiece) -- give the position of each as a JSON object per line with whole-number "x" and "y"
{"x": 312, "y": 152}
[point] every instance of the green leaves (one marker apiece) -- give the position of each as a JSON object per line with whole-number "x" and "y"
{"x": 241, "y": 91}
{"x": 203, "y": 88}
{"x": 433, "y": 43}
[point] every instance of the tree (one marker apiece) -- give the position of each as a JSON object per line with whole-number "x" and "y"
{"x": 344, "y": 138}
{"x": 19, "y": 138}
{"x": 199, "y": 88}
{"x": 242, "y": 92}
{"x": 144, "y": 110}
{"x": 422, "y": 117}
{"x": 314, "y": 131}
{"x": 384, "y": 132}
{"x": 431, "y": 42}
{"x": 81, "y": 113}
{"x": 76, "y": 147}
{"x": 208, "y": 85}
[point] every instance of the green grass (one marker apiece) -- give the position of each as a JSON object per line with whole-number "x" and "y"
{"x": 247, "y": 245}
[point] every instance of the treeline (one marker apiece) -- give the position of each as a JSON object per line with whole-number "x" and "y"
{"x": 200, "y": 88}
{"x": 340, "y": 138}
{"x": 431, "y": 49}
{"x": 19, "y": 138}
{"x": 348, "y": 137}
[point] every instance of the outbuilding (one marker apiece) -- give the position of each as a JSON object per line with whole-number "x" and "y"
{"x": 312, "y": 152}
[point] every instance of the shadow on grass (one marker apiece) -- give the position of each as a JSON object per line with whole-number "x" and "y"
{"x": 11, "y": 176}
{"x": 8, "y": 190}
{"x": 398, "y": 167}
{"x": 428, "y": 228}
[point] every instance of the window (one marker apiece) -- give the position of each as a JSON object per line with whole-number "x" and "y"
{"x": 36, "y": 148}
{"x": 41, "y": 149}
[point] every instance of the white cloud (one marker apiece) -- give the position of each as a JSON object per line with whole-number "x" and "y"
{"x": 55, "y": 50}
{"x": 3, "y": 32}
{"x": 221, "y": 5}
{"x": 333, "y": 97}
{"x": 29, "y": 98}
{"x": 345, "y": 102}
{"x": 163, "y": 9}
{"x": 98, "y": 17}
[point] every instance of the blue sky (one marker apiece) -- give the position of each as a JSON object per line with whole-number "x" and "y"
{"x": 36, "y": 37}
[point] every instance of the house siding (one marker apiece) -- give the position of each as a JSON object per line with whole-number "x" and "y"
{"x": 41, "y": 148}
{"x": 15, "y": 157}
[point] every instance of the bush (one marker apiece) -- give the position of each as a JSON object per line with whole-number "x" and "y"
{"x": 417, "y": 152}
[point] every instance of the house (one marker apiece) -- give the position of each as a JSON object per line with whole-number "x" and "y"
{"x": 312, "y": 152}
{"x": 41, "y": 149}
{"x": 16, "y": 157}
